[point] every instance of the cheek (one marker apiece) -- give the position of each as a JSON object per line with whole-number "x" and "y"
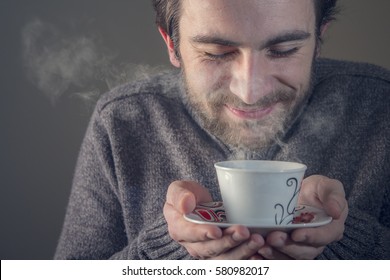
{"x": 295, "y": 74}
{"x": 207, "y": 76}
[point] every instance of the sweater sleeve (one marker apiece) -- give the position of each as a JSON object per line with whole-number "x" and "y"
{"x": 152, "y": 244}
{"x": 94, "y": 227}
{"x": 364, "y": 238}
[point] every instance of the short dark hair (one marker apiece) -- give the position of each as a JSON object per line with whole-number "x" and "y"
{"x": 326, "y": 11}
{"x": 167, "y": 18}
{"x": 168, "y": 15}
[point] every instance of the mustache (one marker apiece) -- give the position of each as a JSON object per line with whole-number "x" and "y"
{"x": 278, "y": 96}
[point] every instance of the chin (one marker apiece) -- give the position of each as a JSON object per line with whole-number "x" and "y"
{"x": 250, "y": 143}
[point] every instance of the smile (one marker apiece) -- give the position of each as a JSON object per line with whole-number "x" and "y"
{"x": 250, "y": 113}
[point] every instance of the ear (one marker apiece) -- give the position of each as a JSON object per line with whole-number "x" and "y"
{"x": 171, "y": 48}
{"x": 323, "y": 30}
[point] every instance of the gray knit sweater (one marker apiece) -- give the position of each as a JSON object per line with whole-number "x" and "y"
{"x": 141, "y": 138}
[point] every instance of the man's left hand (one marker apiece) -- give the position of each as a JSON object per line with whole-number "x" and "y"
{"x": 308, "y": 243}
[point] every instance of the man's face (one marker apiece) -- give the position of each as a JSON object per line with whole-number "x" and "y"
{"x": 247, "y": 65}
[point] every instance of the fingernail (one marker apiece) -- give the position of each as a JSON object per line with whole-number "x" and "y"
{"x": 214, "y": 234}
{"x": 265, "y": 252}
{"x": 300, "y": 238}
{"x": 237, "y": 237}
{"x": 252, "y": 245}
{"x": 280, "y": 242}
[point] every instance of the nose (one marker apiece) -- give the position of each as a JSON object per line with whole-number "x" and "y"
{"x": 250, "y": 77}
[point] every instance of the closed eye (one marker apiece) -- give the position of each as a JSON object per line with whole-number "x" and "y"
{"x": 221, "y": 56}
{"x": 275, "y": 53}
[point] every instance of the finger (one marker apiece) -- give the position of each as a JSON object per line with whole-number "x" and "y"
{"x": 290, "y": 252}
{"x": 332, "y": 195}
{"x": 256, "y": 257}
{"x": 229, "y": 246}
{"x": 185, "y": 195}
{"x": 280, "y": 246}
{"x": 324, "y": 193}
{"x": 181, "y": 230}
{"x": 274, "y": 241}
{"x": 232, "y": 237}
{"x": 269, "y": 253}
{"x": 246, "y": 250}
{"x": 321, "y": 236}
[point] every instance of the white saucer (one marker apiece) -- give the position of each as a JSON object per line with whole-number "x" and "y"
{"x": 213, "y": 213}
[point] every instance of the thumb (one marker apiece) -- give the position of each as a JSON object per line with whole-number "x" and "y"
{"x": 185, "y": 195}
{"x": 323, "y": 192}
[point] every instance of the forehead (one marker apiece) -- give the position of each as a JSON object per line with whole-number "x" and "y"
{"x": 244, "y": 18}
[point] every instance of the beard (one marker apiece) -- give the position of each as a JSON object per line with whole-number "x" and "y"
{"x": 246, "y": 134}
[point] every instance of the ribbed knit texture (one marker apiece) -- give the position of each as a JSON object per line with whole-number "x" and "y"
{"x": 141, "y": 138}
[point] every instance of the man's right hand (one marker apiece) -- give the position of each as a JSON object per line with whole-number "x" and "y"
{"x": 205, "y": 241}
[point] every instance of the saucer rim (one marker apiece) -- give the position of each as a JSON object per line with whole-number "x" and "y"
{"x": 325, "y": 219}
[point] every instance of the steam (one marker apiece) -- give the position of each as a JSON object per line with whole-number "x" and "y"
{"x": 59, "y": 64}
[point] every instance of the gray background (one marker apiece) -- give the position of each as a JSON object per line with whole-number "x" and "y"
{"x": 57, "y": 56}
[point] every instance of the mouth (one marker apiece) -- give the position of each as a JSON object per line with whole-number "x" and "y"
{"x": 250, "y": 113}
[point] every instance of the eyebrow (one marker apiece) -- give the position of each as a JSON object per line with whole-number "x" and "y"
{"x": 213, "y": 40}
{"x": 289, "y": 36}
{"x": 296, "y": 35}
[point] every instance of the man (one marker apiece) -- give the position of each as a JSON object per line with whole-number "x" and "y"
{"x": 252, "y": 87}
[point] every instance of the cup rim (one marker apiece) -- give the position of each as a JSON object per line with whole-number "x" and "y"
{"x": 232, "y": 165}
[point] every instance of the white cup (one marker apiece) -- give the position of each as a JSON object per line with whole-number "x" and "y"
{"x": 260, "y": 192}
